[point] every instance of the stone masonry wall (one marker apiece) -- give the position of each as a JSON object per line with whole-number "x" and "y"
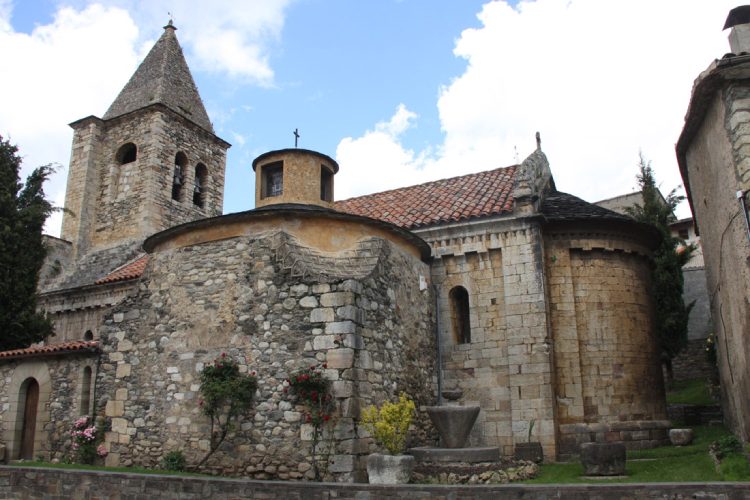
{"x": 507, "y": 367}
{"x": 60, "y": 400}
{"x": 607, "y": 368}
{"x": 235, "y": 296}
{"x": 718, "y": 164}
{"x": 112, "y": 203}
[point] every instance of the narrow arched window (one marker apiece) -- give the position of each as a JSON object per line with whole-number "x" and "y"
{"x": 459, "y": 299}
{"x": 178, "y": 179}
{"x": 326, "y": 184}
{"x": 89, "y": 335}
{"x": 85, "y": 391}
{"x": 201, "y": 183}
{"x": 127, "y": 153}
{"x": 272, "y": 179}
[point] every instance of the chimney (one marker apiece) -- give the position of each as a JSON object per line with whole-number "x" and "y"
{"x": 739, "y": 38}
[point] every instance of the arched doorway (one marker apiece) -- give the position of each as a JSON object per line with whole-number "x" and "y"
{"x": 30, "y": 394}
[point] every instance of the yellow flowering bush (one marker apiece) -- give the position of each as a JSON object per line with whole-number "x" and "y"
{"x": 389, "y": 425}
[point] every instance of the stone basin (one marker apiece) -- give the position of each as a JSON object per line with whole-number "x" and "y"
{"x": 453, "y": 423}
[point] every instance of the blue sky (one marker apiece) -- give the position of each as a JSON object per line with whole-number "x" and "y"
{"x": 398, "y": 91}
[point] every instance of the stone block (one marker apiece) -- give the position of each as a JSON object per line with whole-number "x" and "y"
{"x": 123, "y": 370}
{"x": 603, "y": 459}
{"x": 308, "y": 302}
{"x": 321, "y": 315}
{"x": 114, "y": 408}
{"x": 323, "y": 342}
{"x": 336, "y": 299}
{"x": 341, "y": 463}
{"x": 681, "y": 437}
{"x": 340, "y": 327}
{"x": 340, "y": 358}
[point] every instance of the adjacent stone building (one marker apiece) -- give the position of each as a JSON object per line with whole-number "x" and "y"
{"x": 491, "y": 288}
{"x": 714, "y": 160}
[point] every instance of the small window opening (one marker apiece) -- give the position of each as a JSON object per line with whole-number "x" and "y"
{"x": 89, "y": 335}
{"x": 199, "y": 190}
{"x": 85, "y": 391}
{"x": 683, "y": 234}
{"x": 326, "y": 184}
{"x": 126, "y": 154}
{"x": 178, "y": 180}
{"x": 459, "y": 299}
{"x": 273, "y": 180}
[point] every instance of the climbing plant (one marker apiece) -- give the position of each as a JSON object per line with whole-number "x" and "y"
{"x": 227, "y": 394}
{"x": 313, "y": 390}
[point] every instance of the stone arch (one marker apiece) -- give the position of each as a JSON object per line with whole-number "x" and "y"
{"x": 39, "y": 372}
{"x": 178, "y": 179}
{"x": 88, "y": 335}
{"x": 201, "y": 185}
{"x": 460, "y": 316}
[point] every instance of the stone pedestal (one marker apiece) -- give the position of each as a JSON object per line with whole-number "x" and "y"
{"x": 529, "y": 451}
{"x": 453, "y": 423}
{"x": 681, "y": 437}
{"x": 603, "y": 459}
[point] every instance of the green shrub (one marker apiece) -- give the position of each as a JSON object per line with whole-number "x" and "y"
{"x": 174, "y": 460}
{"x": 390, "y": 424}
{"x": 726, "y": 445}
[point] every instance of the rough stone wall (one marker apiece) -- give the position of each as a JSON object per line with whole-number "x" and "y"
{"x": 692, "y": 362}
{"x": 58, "y": 260}
{"x": 60, "y": 399}
{"x": 507, "y": 367}
{"x": 605, "y": 350}
{"x": 718, "y": 164}
{"x": 112, "y": 203}
{"x": 236, "y": 296}
{"x": 700, "y": 324}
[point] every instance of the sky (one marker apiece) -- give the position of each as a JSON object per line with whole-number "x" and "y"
{"x": 399, "y": 92}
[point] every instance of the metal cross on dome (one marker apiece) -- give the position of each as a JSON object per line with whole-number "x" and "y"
{"x": 296, "y": 137}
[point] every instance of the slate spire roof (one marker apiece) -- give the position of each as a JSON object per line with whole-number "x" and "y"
{"x": 163, "y": 78}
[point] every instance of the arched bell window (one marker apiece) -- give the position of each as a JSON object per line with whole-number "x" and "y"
{"x": 178, "y": 179}
{"x": 127, "y": 153}
{"x": 201, "y": 183}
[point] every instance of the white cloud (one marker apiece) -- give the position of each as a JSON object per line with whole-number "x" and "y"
{"x": 600, "y": 80}
{"x": 223, "y": 36}
{"x": 55, "y": 75}
{"x": 377, "y": 158}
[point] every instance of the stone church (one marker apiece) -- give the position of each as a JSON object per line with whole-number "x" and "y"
{"x": 492, "y": 289}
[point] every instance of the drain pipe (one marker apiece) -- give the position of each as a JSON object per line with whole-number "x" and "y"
{"x": 439, "y": 348}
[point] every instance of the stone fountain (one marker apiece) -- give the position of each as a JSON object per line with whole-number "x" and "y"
{"x": 454, "y": 424}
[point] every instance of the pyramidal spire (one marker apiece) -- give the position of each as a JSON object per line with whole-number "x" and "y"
{"x": 163, "y": 78}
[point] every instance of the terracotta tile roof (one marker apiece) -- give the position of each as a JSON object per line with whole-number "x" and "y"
{"x": 448, "y": 200}
{"x": 52, "y": 349}
{"x": 129, "y": 271}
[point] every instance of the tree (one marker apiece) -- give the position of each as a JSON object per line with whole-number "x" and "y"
{"x": 669, "y": 257}
{"x": 23, "y": 211}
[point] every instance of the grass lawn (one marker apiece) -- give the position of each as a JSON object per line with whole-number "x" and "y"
{"x": 690, "y": 392}
{"x": 667, "y": 463}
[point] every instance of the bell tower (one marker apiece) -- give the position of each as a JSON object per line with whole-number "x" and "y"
{"x": 151, "y": 162}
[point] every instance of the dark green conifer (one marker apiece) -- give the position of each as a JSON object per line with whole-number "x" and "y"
{"x": 23, "y": 211}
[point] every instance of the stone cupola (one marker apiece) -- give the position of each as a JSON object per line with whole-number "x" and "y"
{"x": 294, "y": 176}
